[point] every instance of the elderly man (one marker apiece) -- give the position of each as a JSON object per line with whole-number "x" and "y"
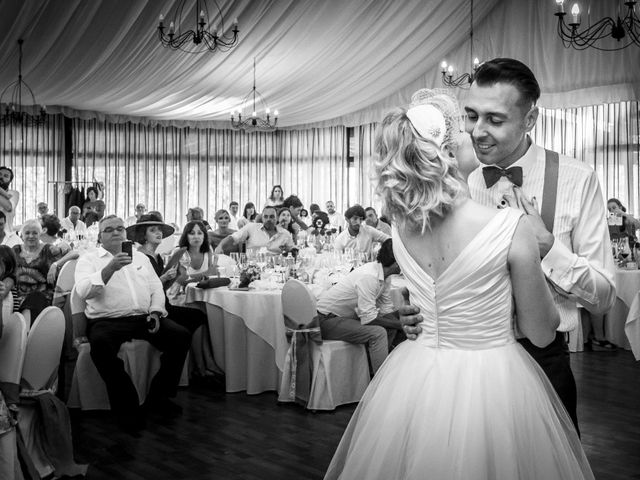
{"x": 72, "y": 224}
{"x": 372, "y": 220}
{"x": 358, "y": 308}
{"x": 140, "y": 210}
{"x": 9, "y": 199}
{"x": 258, "y": 235}
{"x": 125, "y": 300}
{"x": 358, "y": 236}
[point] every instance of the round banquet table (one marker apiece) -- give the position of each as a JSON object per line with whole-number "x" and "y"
{"x": 247, "y": 334}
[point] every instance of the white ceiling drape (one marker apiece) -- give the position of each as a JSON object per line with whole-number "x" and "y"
{"x": 330, "y": 62}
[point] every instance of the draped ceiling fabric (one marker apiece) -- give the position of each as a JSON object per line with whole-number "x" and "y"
{"x": 330, "y": 62}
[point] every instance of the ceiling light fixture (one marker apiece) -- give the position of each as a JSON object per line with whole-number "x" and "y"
{"x": 466, "y": 79}
{"x": 15, "y": 111}
{"x": 254, "y": 121}
{"x": 199, "y": 39}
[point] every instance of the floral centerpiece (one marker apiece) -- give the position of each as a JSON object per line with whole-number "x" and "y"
{"x": 248, "y": 274}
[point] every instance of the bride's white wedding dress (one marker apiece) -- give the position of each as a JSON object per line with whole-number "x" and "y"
{"x": 463, "y": 401}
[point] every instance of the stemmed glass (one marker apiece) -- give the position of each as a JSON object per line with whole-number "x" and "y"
{"x": 185, "y": 261}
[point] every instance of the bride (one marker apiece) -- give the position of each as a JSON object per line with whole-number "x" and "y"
{"x": 463, "y": 401}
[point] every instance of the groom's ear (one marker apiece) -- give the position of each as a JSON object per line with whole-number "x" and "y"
{"x": 531, "y": 118}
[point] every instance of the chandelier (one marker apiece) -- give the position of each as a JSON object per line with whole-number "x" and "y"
{"x": 15, "y": 111}
{"x": 254, "y": 122}
{"x": 466, "y": 79}
{"x": 199, "y": 39}
{"x": 593, "y": 33}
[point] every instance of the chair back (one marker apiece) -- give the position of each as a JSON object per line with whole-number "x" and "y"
{"x": 65, "y": 282}
{"x": 13, "y": 344}
{"x": 78, "y": 318}
{"x": 44, "y": 346}
{"x": 298, "y": 304}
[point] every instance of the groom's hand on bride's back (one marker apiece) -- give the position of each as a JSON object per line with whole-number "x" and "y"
{"x": 409, "y": 318}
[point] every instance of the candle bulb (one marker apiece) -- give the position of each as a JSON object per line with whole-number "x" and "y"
{"x": 235, "y": 22}
{"x": 443, "y": 65}
{"x": 201, "y": 14}
{"x": 476, "y": 63}
{"x": 575, "y": 12}
{"x": 559, "y": 6}
{"x": 275, "y": 113}
{"x": 254, "y": 114}
{"x": 161, "y": 18}
{"x": 171, "y": 28}
{"x": 450, "y": 71}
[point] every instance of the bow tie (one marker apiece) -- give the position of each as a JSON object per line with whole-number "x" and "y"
{"x": 492, "y": 174}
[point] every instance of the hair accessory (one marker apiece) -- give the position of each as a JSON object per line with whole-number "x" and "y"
{"x": 429, "y": 122}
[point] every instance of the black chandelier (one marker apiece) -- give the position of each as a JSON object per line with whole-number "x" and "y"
{"x": 619, "y": 29}
{"x": 466, "y": 79}
{"x": 254, "y": 121}
{"x": 15, "y": 112}
{"x": 198, "y": 40}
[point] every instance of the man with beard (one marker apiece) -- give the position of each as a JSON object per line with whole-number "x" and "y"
{"x": 258, "y": 235}
{"x": 335, "y": 219}
{"x": 8, "y": 198}
{"x": 358, "y": 234}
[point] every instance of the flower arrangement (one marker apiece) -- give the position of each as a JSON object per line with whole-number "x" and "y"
{"x": 248, "y": 274}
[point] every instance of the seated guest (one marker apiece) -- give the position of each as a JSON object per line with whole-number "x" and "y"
{"x": 233, "y": 215}
{"x": 285, "y": 221}
{"x": 304, "y": 216}
{"x": 51, "y": 229}
{"x": 196, "y": 214}
{"x": 117, "y": 313}
{"x": 627, "y": 224}
{"x": 313, "y": 208}
{"x": 7, "y": 278}
{"x": 294, "y": 205}
{"x": 257, "y": 235}
{"x": 276, "y": 198}
{"x": 7, "y": 238}
{"x": 76, "y": 228}
{"x": 42, "y": 209}
{"x": 373, "y": 221}
{"x": 358, "y": 308}
{"x": 336, "y": 220}
{"x": 222, "y": 218}
{"x": 9, "y": 199}
{"x": 38, "y": 264}
{"x": 140, "y": 208}
{"x": 249, "y": 215}
{"x": 93, "y": 204}
{"x": 358, "y": 236}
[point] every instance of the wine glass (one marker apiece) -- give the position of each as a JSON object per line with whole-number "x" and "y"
{"x": 185, "y": 262}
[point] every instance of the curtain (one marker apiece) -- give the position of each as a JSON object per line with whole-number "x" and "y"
{"x": 35, "y": 154}
{"x": 171, "y": 169}
{"x": 605, "y": 137}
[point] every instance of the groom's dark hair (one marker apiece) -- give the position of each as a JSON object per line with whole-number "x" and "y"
{"x": 385, "y": 254}
{"x": 511, "y": 72}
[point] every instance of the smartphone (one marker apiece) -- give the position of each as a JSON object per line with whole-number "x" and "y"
{"x": 127, "y": 247}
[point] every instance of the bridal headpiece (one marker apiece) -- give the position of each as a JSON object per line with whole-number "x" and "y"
{"x": 435, "y": 115}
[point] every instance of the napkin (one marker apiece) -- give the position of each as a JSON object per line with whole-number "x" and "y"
{"x": 214, "y": 282}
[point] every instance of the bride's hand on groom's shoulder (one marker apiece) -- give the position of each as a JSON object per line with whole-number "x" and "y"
{"x": 410, "y": 318}
{"x": 531, "y": 208}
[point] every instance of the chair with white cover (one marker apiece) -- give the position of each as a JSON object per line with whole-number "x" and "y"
{"x": 64, "y": 283}
{"x": 88, "y": 391}
{"x": 339, "y": 370}
{"x": 13, "y": 344}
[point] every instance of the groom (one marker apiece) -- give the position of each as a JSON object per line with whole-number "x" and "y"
{"x": 571, "y": 231}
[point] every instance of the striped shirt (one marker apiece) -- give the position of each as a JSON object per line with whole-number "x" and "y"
{"x": 579, "y": 265}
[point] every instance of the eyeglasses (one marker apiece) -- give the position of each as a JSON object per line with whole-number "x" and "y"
{"x": 113, "y": 229}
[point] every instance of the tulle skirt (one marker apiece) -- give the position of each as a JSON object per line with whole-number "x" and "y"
{"x": 449, "y": 414}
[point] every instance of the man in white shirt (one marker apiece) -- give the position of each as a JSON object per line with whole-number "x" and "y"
{"x": 73, "y": 225}
{"x": 373, "y": 221}
{"x": 358, "y": 309}
{"x": 358, "y": 235}
{"x": 140, "y": 210}
{"x": 336, "y": 220}
{"x": 125, "y": 300}
{"x": 233, "y": 215}
{"x": 576, "y": 256}
{"x": 7, "y": 238}
{"x": 9, "y": 199}
{"x": 267, "y": 234}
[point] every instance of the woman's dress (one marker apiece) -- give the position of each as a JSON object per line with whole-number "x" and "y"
{"x": 464, "y": 400}
{"x": 31, "y": 276}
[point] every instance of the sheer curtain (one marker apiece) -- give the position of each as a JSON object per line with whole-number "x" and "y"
{"x": 171, "y": 169}
{"x": 604, "y": 136}
{"x": 35, "y": 154}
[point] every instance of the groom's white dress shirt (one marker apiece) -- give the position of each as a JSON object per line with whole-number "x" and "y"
{"x": 580, "y": 263}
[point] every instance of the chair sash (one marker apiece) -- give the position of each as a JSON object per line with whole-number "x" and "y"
{"x": 299, "y": 362}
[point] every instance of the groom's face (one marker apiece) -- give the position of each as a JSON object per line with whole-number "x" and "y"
{"x": 498, "y": 122}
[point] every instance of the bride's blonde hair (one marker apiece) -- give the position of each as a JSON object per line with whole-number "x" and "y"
{"x": 416, "y": 180}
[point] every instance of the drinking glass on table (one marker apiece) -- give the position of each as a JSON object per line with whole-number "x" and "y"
{"x": 185, "y": 262}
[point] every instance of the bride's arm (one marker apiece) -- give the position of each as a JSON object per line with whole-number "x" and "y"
{"x": 536, "y": 314}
